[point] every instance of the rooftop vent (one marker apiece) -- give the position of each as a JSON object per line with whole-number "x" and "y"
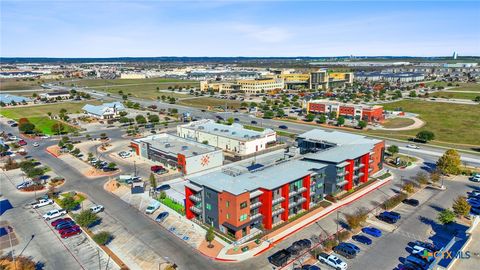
{"x": 194, "y": 153}
{"x": 234, "y": 132}
{"x": 167, "y": 145}
{"x": 184, "y": 147}
{"x": 215, "y": 129}
{"x": 201, "y": 127}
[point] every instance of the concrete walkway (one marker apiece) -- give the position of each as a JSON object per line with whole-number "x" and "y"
{"x": 417, "y": 124}
{"x": 265, "y": 245}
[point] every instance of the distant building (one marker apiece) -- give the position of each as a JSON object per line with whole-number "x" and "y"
{"x": 247, "y": 86}
{"x": 322, "y": 79}
{"x": 349, "y": 110}
{"x": 455, "y": 55}
{"x": 8, "y": 99}
{"x": 133, "y": 76}
{"x": 235, "y": 138}
{"x": 401, "y": 77}
{"x": 178, "y": 153}
{"x": 52, "y": 76}
{"x": 104, "y": 111}
{"x": 55, "y": 95}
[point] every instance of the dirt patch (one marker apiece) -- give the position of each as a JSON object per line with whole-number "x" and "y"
{"x": 210, "y": 252}
{"x": 92, "y": 173}
{"x": 111, "y": 186}
{"x": 54, "y": 150}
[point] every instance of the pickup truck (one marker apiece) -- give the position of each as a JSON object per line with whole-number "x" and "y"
{"x": 332, "y": 260}
{"x": 54, "y": 214}
{"x": 41, "y": 203}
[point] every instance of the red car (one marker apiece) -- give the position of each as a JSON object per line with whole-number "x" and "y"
{"x": 22, "y": 142}
{"x": 71, "y": 232}
{"x": 57, "y": 221}
{"x": 65, "y": 230}
{"x": 156, "y": 168}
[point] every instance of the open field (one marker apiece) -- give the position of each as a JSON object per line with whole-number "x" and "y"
{"x": 21, "y": 84}
{"x": 453, "y": 123}
{"x": 397, "y": 122}
{"x": 475, "y": 87}
{"x": 142, "y": 88}
{"x": 204, "y": 102}
{"x": 458, "y": 95}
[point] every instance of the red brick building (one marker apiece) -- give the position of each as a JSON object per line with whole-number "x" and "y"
{"x": 348, "y": 110}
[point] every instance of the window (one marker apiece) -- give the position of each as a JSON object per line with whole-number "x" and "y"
{"x": 228, "y": 216}
{"x": 243, "y": 205}
{"x": 209, "y": 195}
{"x": 228, "y": 204}
{"x": 243, "y": 217}
{"x": 208, "y": 206}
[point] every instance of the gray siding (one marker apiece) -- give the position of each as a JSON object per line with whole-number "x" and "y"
{"x": 211, "y": 216}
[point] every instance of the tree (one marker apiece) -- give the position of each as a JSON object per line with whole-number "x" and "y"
{"x": 356, "y": 219}
{"x": 123, "y": 113}
{"x": 153, "y": 181}
{"x": 392, "y": 149}
{"x": 35, "y": 172}
{"x": 435, "y": 176}
{"x": 153, "y": 118}
{"x": 58, "y": 128}
{"x": 112, "y": 165}
{"x": 86, "y": 218}
{"x": 27, "y": 128}
{"x": 340, "y": 121}
{"x": 103, "y": 136}
{"x": 408, "y": 187}
{"x": 90, "y": 156}
{"x": 412, "y": 93}
{"x": 322, "y": 119}
{"x": 362, "y": 124}
{"x": 425, "y": 135}
{"x": 450, "y": 162}
{"x": 268, "y": 115}
{"x": 210, "y": 236}
{"x": 75, "y": 151}
{"x": 461, "y": 207}
{"x": 140, "y": 119}
{"x": 421, "y": 178}
{"x": 102, "y": 238}
{"x": 230, "y": 120}
{"x": 446, "y": 216}
{"x": 68, "y": 203}
{"x": 310, "y": 117}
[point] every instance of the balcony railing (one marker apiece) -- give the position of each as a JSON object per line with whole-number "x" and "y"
{"x": 278, "y": 211}
{"x": 195, "y": 209}
{"x": 257, "y": 215}
{"x": 278, "y": 200}
{"x": 255, "y": 205}
{"x": 300, "y": 190}
{"x": 195, "y": 198}
{"x": 370, "y": 161}
{"x": 293, "y": 204}
{"x": 370, "y": 169}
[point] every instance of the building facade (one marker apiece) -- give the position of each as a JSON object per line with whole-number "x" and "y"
{"x": 177, "y": 153}
{"x": 348, "y": 110}
{"x": 234, "y": 138}
{"x": 105, "y": 111}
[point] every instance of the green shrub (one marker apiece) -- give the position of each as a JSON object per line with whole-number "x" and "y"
{"x": 103, "y": 238}
{"x": 86, "y": 218}
{"x": 394, "y": 201}
{"x": 329, "y": 244}
{"x": 343, "y": 235}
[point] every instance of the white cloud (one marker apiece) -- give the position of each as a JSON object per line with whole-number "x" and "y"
{"x": 270, "y": 34}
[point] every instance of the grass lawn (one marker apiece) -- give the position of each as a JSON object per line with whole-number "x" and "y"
{"x": 460, "y": 95}
{"x": 452, "y": 123}
{"x": 173, "y": 205}
{"x": 253, "y": 128}
{"x": 159, "y": 81}
{"x": 398, "y": 122}
{"x": 21, "y": 84}
{"x": 204, "y": 102}
{"x": 279, "y": 132}
{"x": 474, "y": 87}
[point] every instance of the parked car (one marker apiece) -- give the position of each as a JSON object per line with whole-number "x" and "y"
{"x": 54, "y": 214}
{"x": 161, "y": 217}
{"x": 60, "y": 220}
{"x": 388, "y": 217}
{"x": 22, "y": 142}
{"x": 282, "y": 127}
{"x": 36, "y": 144}
{"x": 156, "y": 168}
{"x": 310, "y": 267}
{"x": 163, "y": 187}
{"x": 64, "y": 225}
{"x": 70, "y": 233}
{"x": 345, "y": 251}
{"x": 372, "y": 231}
{"x": 362, "y": 239}
{"x": 474, "y": 202}
{"x": 411, "y": 259}
{"x": 428, "y": 245}
{"x": 351, "y": 245}
{"x": 42, "y": 202}
{"x": 475, "y": 178}
{"x": 413, "y": 146}
{"x": 412, "y": 202}
{"x": 97, "y": 208}
{"x": 24, "y": 184}
{"x": 152, "y": 207}
{"x": 333, "y": 261}
{"x": 280, "y": 258}
{"x": 299, "y": 245}
{"x": 74, "y": 227}
{"x": 253, "y": 122}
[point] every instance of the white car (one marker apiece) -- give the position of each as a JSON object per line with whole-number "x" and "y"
{"x": 42, "y": 202}
{"x": 475, "y": 178}
{"x": 54, "y": 214}
{"x": 96, "y": 209}
{"x": 45, "y": 137}
{"x": 413, "y": 146}
{"x": 418, "y": 250}
{"x": 36, "y": 144}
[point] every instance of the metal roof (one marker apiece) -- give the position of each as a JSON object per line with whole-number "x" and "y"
{"x": 269, "y": 178}
{"x": 7, "y": 98}
{"x": 340, "y": 153}
{"x": 100, "y": 109}
{"x": 336, "y": 137}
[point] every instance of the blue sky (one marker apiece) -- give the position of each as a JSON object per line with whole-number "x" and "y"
{"x": 238, "y": 28}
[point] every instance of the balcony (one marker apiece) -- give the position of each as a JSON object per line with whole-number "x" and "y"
{"x": 299, "y": 201}
{"x": 370, "y": 161}
{"x": 195, "y": 209}
{"x": 370, "y": 169}
{"x": 278, "y": 211}
{"x": 257, "y": 215}
{"x": 300, "y": 190}
{"x": 341, "y": 174}
{"x": 278, "y": 200}
{"x": 195, "y": 198}
{"x": 255, "y": 205}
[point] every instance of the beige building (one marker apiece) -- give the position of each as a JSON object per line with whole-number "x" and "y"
{"x": 134, "y": 76}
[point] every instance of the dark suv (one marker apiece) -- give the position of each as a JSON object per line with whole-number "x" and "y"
{"x": 346, "y": 251}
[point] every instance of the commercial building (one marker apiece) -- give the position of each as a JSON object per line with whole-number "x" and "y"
{"x": 250, "y": 86}
{"x": 350, "y": 159}
{"x": 133, "y": 76}
{"x": 55, "y": 95}
{"x": 241, "y": 203}
{"x": 401, "y": 77}
{"x": 178, "y": 153}
{"x": 352, "y": 111}
{"x": 234, "y": 138}
{"x": 322, "y": 79}
{"x": 8, "y": 99}
{"x": 105, "y": 111}
{"x": 295, "y": 80}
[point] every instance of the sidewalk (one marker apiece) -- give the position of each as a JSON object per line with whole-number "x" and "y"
{"x": 296, "y": 226}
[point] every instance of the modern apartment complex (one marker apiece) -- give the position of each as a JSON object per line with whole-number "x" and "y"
{"x": 178, "y": 153}
{"x": 400, "y": 77}
{"x": 241, "y": 201}
{"x": 322, "y": 79}
{"x": 349, "y": 110}
{"x": 350, "y": 159}
{"x": 234, "y": 138}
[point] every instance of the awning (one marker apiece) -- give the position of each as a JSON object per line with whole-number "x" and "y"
{"x": 256, "y": 193}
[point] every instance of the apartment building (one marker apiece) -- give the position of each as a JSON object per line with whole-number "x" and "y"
{"x": 322, "y": 79}
{"x": 243, "y": 203}
{"x": 350, "y": 159}
{"x": 178, "y": 153}
{"x": 234, "y": 138}
{"x": 349, "y": 110}
{"x": 400, "y": 77}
